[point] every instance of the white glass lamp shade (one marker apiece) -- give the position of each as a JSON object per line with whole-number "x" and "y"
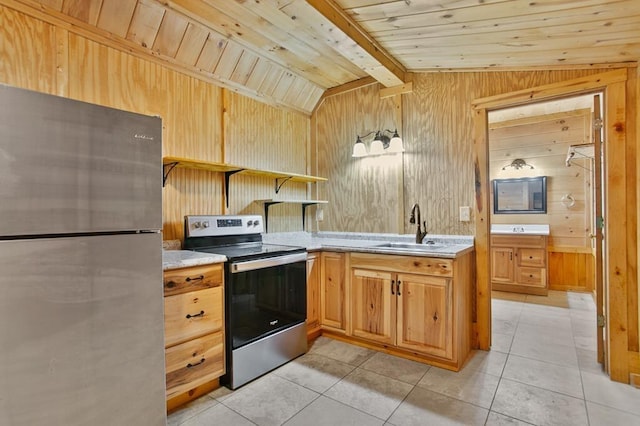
{"x": 395, "y": 145}
{"x": 376, "y": 146}
{"x": 359, "y": 150}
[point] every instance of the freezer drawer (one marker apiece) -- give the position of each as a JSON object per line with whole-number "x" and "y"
{"x": 72, "y": 167}
{"x": 81, "y": 331}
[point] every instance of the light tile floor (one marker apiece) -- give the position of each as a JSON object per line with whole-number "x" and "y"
{"x": 542, "y": 370}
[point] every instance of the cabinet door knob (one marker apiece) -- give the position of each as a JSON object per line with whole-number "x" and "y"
{"x": 398, "y": 288}
{"x": 393, "y": 282}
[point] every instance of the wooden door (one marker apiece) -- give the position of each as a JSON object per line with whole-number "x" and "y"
{"x": 425, "y": 314}
{"x": 502, "y": 264}
{"x": 373, "y": 305}
{"x": 332, "y": 294}
{"x": 598, "y": 228}
{"x": 313, "y": 291}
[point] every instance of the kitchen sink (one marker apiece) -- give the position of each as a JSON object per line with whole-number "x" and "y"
{"x": 412, "y": 246}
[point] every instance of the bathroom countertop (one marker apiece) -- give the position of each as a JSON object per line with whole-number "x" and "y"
{"x": 520, "y": 229}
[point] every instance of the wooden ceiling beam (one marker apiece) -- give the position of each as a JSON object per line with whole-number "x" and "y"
{"x": 391, "y": 72}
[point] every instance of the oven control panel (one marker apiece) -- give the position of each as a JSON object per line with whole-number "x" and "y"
{"x": 217, "y": 225}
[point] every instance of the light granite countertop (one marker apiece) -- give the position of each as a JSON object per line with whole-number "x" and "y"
{"x": 442, "y": 246}
{"x": 174, "y": 259}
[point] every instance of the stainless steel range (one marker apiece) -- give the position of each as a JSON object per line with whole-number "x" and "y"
{"x": 265, "y": 294}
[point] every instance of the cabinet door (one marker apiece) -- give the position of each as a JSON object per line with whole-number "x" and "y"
{"x": 332, "y": 293}
{"x": 313, "y": 291}
{"x": 425, "y": 314}
{"x": 373, "y": 305}
{"x": 502, "y": 264}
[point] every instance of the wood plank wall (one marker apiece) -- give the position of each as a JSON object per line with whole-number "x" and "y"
{"x": 363, "y": 193}
{"x": 260, "y": 136}
{"x": 543, "y": 141}
{"x": 437, "y": 167}
{"x": 39, "y": 56}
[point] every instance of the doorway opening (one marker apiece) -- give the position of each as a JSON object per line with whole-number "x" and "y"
{"x": 544, "y": 238}
{"x": 620, "y": 209}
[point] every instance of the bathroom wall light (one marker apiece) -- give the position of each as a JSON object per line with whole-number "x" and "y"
{"x": 518, "y": 164}
{"x": 381, "y": 144}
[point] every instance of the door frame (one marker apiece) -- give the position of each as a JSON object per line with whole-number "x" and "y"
{"x": 616, "y": 281}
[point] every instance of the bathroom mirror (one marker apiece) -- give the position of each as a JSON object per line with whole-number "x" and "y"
{"x": 520, "y": 196}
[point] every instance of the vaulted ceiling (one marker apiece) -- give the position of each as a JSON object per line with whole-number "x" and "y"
{"x": 289, "y": 52}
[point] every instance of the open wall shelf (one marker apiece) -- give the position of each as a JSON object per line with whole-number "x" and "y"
{"x": 304, "y": 203}
{"x": 280, "y": 178}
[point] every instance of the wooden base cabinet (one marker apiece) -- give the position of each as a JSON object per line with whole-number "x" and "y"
{"x": 519, "y": 264}
{"x": 194, "y": 331}
{"x": 422, "y": 306}
{"x": 332, "y": 291}
{"x": 313, "y": 294}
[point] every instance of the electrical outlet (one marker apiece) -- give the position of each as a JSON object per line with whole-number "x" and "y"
{"x": 319, "y": 215}
{"x": 465, "y": 214}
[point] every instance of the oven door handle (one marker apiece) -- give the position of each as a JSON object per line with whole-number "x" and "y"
{"x": 251, "y": 265}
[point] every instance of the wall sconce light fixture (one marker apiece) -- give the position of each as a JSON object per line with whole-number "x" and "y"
{"x": 518, "y": 164}
{"x": 381, "y": 144}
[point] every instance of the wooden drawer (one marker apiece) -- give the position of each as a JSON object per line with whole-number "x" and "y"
{"x": 532, "y": 257}
{"x": 193, "y": 363}
{"x": 534, "y": 241}
{"x": 531, "y": 276}
{"x": 191, "y": 315}
{"x": 184, "y": 280}
{"x": 408, "y": 264}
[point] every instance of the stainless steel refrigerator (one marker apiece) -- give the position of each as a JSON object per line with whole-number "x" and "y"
{"x": 81, "y": 309}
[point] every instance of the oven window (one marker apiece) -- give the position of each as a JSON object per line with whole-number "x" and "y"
{"x": 265, "y": 301}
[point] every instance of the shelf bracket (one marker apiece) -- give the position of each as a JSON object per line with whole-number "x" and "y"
{"x": 304, "y": 210}
{"x": 166, "y": 169}
{"x": 279, "y": 184}
{"x": 227, "y": 175}
{"x": 268, "y": 204}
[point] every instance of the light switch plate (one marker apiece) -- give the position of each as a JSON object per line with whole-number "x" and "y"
{"x": 465, "y": 214}
{"x": 319, "y": 215}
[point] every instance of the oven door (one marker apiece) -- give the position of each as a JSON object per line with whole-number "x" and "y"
{"x": 265, "y": 296}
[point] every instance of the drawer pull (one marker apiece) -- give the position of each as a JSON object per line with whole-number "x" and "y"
{"x": 196, "y": 315}
{"x": 200, "y": 278}
{"x": 392, "y": 284}
{"x": 398, "y": 288}
{"x": 196, "y": 364}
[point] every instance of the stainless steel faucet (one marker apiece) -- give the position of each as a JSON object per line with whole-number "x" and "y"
{"x": 420, "y": 234}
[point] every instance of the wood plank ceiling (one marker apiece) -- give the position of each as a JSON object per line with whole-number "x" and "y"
{"x": 288, "y": 52}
